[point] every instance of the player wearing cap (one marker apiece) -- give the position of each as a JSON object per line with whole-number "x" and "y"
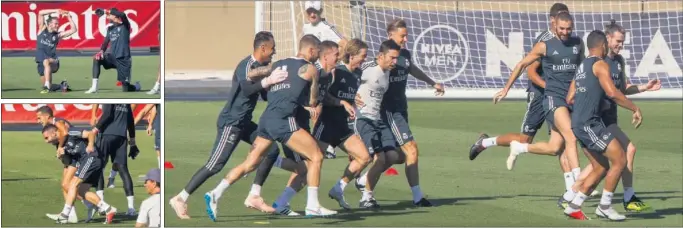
{"x": 150, "y": 209}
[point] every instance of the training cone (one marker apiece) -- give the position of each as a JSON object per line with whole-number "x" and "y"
{"x": 168, "y": 165}
{"x": 391, "y": 172}
{"x": 119, "y": 83}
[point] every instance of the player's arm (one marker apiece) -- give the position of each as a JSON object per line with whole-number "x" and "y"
{"x": 532, "y": 73}
{"x": 62, "y": 132}
{"x": 630, "y": 89}
{"x": 93, "y": 114}
{"x": 143, "y": 112}
{"x": 105, "y": 43}
{"x": 537, "y": 52}
{"x": 91, "y": 136}
{"x": 310, "y": 73}
{"x": 106, "y": 118}
{"x": 131, "y": 126}
{"x": 259, "y": 72}
{"x": 572, "y": 92}
{"x": 601, "y": 70}
{"x": 73, "y": 28}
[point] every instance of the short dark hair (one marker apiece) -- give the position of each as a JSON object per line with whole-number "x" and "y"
{"x": 557, "y": 8}
{"x": 396, "y": 24}
{"x": 613, "y": 27}
{"x": 564, "y": 16}
{"x": 45, "y": 110}
{"x": 596, "y": 38}
{"x": 389, "y": 45}
{"x": 327, "y": 45}
{"x": 309, "y": 40}
{"x": 262, "y": 37}
{"x": 49, "y": 127}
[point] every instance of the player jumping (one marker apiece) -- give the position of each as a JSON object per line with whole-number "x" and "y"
{"x": 592, "y": 84}
{"x": 46, "y": 46}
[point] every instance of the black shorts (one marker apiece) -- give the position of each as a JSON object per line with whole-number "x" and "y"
{"x": 594, "y": 136}
{"x": 157, "y": 133}
{"x": 534, "y": 115}
{"x": 333, "y": 129}
{"x": 123, "y": 66}
{"x": 69, "y": 160}
{"x": 89, "y": 169}
{"x": 277, "y": 129}
{"x": 114, "y": 147}
{"x": 54, "y": 67}
{"x": 619, "y": 134}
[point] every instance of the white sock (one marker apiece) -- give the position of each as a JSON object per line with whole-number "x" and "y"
{"x": 159, "y": 161}
{"x": 278, "y": 162}
{"x": 521, "y": 147}
{"x": 255, "y": 190}
{"x": 94, "y": 83}
{"x": 47, "y": 84}
{"x": 67, "y": 209}
{"x": 131, "y": 201}
{"x": 569, "y": 195}
{"x": 568, "y": 181}
{"x": 489, "y": 142}
{"x": 184, "y": 195}
{"x": 578, "y": 200}
{"x": 312, "y": 201}
{"x": 285, "y": 197}
{"x": 628, "y": 193}
{"x": 366, "y": 195}
{"x": 100, "y": 193}
{"x": 156, "y": 86}
{"x": 103, "y": 206}
{"x": 576, "y": 172}
{"x": 112, "y": 174}
{"x": 73, "y": 211}
{"x": 222, "y": 186}
{"x": 417, "y": 193}
{"x": 363, "y": 178}
{"x": 330, "y": 149}
{"x": 341, "y": 184}
{"x": 606, "y": 198}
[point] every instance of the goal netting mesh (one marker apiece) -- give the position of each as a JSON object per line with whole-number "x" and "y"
{"x": 472, "y": 46}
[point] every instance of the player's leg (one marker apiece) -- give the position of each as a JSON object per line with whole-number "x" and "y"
{"x": 120, "y": 163}
{"x": 563, "y": 124}
{"x": 67, "y": 175}
{"x": 92, "y": 198}
{"x": 531, "y": 123}
{"x": 157, "y": 84}
{"x": 254, "y": 199}
{"x": 157, "y": 138}
{"x": 295, "y": 183}
{"x": 354, "y": 146}
{"x": 225, "y": 143}
{"x": 123, "y": 70}
{"x": 106, "y": 62}
{"x": 631, "y": 201}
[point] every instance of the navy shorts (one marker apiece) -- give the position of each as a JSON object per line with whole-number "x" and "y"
{"x": 114, "y": 147}
{"x": 54, "y": 67}
{"x": 370, "y": 133}
{"x": 550, "y": 104}
{"x": 396, "y": 126}
{"x": 89, "y": 169}
{"x": 277, "y": 129}
{"x": 69, "y": 160}
{"x": 123, "y": 66}
{"x": 594, "y": 136}
{"x": 534, "y": 115}
{"x": 303, "y": 120}
{"x": 333, "y": 129}
{"x": 157, "y": 133}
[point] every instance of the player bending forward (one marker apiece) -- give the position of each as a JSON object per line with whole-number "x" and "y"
{"x": 592, "y": 84}
{"x": 46, "y": 46}
{"x": 615, "y": 39}
{"x": 89, "y": 165}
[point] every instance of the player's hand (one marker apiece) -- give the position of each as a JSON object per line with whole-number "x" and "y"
{"x": 500, "y": 95}
{"x": 99, "y": 55}
{"x": 90, "y": 149}
{"x": 359, "y": 101}
{"x": 569, "y": 101}
{"x": 312, "y": 111}
{"x": 95, "y": 130}
{"x": 439, "y": 89}
{"x": 93, "y": 121}
{"x": 149, "y": 130}
{"x": 318, "y": 110}
{"x": 637, "y": 118}
{"x": 276, "y": 76}
{"x": 349, "y": 109}
{"x": 131, "y": 142}
{"x": 63, "y": 12}
{"x": 60, "y": 152}
{"x": 653, "y": 85}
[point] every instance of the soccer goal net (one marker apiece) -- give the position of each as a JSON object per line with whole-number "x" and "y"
{"x": 472, "y": 46}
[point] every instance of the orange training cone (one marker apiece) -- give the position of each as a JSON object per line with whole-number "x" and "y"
{"x": 391, "y": 172}
{"x": 168, "y": 165}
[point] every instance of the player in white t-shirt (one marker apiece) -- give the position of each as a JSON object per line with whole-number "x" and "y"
{"x": 150, "y": 209}
{"x": 323, "y": 30}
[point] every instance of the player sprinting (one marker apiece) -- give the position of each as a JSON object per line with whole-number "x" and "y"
{"x": 395, "y": 110}
{"x": 118, "y": 131}
{"x": 118, "y": 36}
{"x": 234, "y": 122}
{"x": 323, "y": 30}
{"x": 82, "y": 145}
{"x": 278, "y": 122}
{"x": 46, "y": 46}
{"x": 615, "y": 39}
{"x": 592, "y": 84}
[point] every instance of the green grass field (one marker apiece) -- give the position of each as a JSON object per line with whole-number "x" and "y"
{"x": 20, "y": 78}
{"x": 469, "y": 193}
{"x": 31, "y": 178}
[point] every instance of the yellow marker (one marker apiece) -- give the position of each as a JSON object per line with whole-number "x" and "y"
{"x": 262, "y": 223}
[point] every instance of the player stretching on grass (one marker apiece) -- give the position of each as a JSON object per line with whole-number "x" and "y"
{"x": 395, "y": 110}
{"x": 81, "y": 144}
{"x": 118, "y": 35}
{"x": 615, "y": 39}
{"x": 46, "y": 46}
{"x": 234, "y": 122}
{"x": 592, "y": 84}
{"x": 278, "y": 123}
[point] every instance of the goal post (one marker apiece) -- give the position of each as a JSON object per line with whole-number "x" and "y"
{"x": 472, "y": 46}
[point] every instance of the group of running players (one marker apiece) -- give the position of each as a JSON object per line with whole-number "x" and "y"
{"x": 85, "y": 153}
{"x": 578, "y": 97}
{"x": 362, "y": 108}
{"x": 118, "y": 57}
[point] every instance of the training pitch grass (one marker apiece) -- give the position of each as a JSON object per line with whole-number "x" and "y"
{"x": 468, "y": 193}
{"x": 20, "y": 78}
